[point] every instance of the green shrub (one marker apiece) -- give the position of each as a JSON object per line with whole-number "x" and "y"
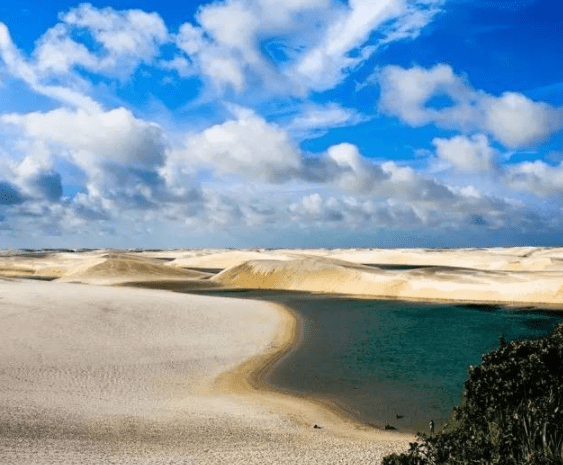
{"x": 511, "y": 413}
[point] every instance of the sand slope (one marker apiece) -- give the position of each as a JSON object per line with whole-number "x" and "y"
{"x": 115, "y": 268}
{"x": 93, "y": 374}
{"x": 227, "y": 258}
{"x": 325, "y": 275}
{"x": 43, "y": 265}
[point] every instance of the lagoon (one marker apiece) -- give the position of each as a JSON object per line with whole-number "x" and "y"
{"x": 392, "y": 362}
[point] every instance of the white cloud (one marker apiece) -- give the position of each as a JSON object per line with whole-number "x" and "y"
{"x": 119, "y": 154}
{"x": 223, "y": 69}
{"x": 190, "y": 39}
{"x": 314, "y": 120}
{"x": 515, "y": 120}
{"x": 112, "y": 43}
{"x": 321, "y": 40}
{"x": 225, "y": 45}
{"x": 234, "y": 25}
{"x": 131, "y": 174}
{"x": 35, "y": 176}
{"x": 404, "y": 93}
{"x": 247, "y": 146}
{"x": 537, "y": 177}
{"x": 94, "y": 138}
{"x": 249, "y": 171}
{"x": 128, "y": 37}
{"x": 57, "y": 53}
{"x": 466, "y": 154}
{"x": 19, "y": 67}
{"x": 326, "y": 64}
{"x": 512, "y": 118}
{"x": 285, "y": 48}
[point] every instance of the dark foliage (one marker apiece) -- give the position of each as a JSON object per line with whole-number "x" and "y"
{"x": 511, "y": 414}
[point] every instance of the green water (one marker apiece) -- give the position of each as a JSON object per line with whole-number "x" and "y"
{"x": 380, "y": 359}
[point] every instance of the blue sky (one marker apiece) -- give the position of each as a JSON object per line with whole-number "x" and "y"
{"x": 303, "y": 123}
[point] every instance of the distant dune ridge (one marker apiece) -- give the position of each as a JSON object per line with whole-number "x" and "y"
{"x": 520, "y": 275}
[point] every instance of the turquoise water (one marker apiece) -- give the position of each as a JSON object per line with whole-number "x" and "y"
{"x": 380, "y": 359}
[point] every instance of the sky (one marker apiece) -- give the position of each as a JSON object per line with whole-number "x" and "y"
{"x": 268, "y": 123}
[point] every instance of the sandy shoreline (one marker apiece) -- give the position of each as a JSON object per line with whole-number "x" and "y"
{"x": 251, "y": 378}
{"x": 73, "y": 393}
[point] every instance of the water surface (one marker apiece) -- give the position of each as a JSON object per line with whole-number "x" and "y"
{"x": 380, "y": 360}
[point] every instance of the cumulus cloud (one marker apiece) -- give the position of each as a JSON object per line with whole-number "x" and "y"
{"x": 247, "y": 170}
{"x": 466, "y": 154}
{"x": 512, "y": 118}
{"x": 464, "y": 208}
{"x": 247, "y": 146}
{"x": 91, "y": 138}
{"x": 538, "y": 177}
{"x": 36, "y": 178}
{"x": 119, "y": 154}
{"x": 125, "y": 38}
{"x": 250, "y": 148}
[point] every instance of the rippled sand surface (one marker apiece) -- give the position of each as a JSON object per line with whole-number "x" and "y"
{"x": 94, "y": 374}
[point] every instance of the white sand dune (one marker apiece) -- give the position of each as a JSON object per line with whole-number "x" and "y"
{"x": 57, "y": 265}
{"x": 44, "y": 265}
{"x": 525, "y": 275}
{"x": 500, "y": 259}
{"x": 329, "y": 276}
{"x": 95, "y": 374}
{"x": 227, "y": 258}
{"x": 116, "y": 268}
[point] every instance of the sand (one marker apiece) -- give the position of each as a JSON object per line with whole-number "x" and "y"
{"x": 93, "y": 373}
{"x": 431, "y": 283}
{"x": 520, "y": 276}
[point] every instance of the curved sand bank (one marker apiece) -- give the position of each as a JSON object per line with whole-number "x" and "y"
{"x": 330, "y": 276}
{"x": 114, "y": 375}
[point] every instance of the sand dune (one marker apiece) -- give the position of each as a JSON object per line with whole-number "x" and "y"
{"x": 501, "y": 259}
{"x": 526, "y": 275}
{"x": 56, "y": 265}
{"x": 44, "y": 265}
{"x": 95, "y": 374}
{"x": 325, "y": 275}
{"x": 115, "y": 268}
{"x": 227, "y": 258}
